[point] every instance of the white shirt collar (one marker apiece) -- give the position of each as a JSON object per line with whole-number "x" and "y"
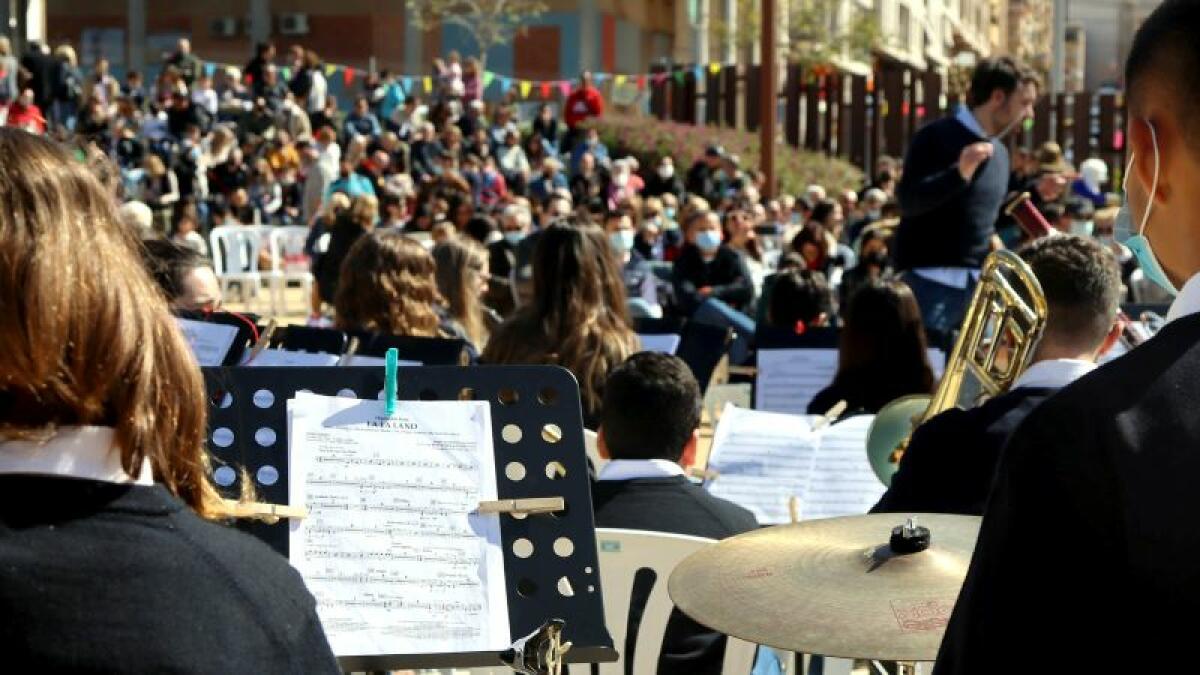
{"x": 967, "y": 118}
{"x": 73, "y": 452}
{"x": 1188, "y": 300}
{"x": 629, "y": 469}
{"x": 1053, "y": 374}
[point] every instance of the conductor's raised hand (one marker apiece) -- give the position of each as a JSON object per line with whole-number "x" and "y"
{"x": 972, "y": 156}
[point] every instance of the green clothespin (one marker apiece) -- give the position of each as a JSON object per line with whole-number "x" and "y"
{"x": 389, "y": 380}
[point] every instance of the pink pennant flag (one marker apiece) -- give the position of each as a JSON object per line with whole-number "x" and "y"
{"x": 565, "y": 87}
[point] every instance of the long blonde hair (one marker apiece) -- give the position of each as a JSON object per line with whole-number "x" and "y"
{"x": 460, "y": 266}
{"x": 87, "y": 338}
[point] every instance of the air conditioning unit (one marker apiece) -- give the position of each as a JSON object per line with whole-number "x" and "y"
{"x": 293, "y": 24}
{"x": 225, "y": 26}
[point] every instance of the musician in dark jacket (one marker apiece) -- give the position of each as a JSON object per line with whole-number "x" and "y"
{"x": 951, "y": 459}
{"x": 648, "y": 429}
{"x": 1087, "y": 557}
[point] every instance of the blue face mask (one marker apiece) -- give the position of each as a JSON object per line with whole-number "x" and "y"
{"x": 621, "y": 240}
{"x": 708, "y": 241}
{"x": 1139, "y": 244}
{"x": 514, "y": 237}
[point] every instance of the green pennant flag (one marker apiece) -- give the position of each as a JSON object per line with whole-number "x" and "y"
{"x": 286, "y": 71}
{"x": 488, "y": 76}
{"x": 679, "y": 77}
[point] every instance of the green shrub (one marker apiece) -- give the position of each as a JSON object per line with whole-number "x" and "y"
{"x": 648, "y": 139}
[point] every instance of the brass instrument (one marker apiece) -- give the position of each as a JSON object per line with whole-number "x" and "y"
{"x": 1002, "y": 326}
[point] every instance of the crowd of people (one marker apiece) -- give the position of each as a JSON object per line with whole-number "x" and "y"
{"x": 534, "y": 242}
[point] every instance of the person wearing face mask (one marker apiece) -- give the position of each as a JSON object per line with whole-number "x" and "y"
{"x": 620, "y": 188}
{"x": 663, "y": 180}
{"x": 873, "y": 264}
{"x": 1081, "y": 212}
{"x": 1093, "y": 174}
{"x": 872, "y": 211}
{"x": 1087, "y": 554}
{"x": 640, "y": 289}
{"x": 952, "y": 188}
{"x": 711, "y": 282}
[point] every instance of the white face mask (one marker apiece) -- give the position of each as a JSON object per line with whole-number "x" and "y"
{"x": 666, "y": 171}
{"x": 620, "y": 179}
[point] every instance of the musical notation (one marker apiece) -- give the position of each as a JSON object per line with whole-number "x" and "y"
{"x": 392, "y": 532}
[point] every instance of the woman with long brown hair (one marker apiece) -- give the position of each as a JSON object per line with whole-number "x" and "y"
{"x": 106, "y": 561}
{"x": 577, "y": 317}
{"x": 462, "y": 279}
{"x": 882, "y": 354}
{"x": 387, "y": 286}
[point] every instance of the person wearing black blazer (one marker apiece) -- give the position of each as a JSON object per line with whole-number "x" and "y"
{"x": 951, "y": 459}
{"x": 1086, "y": 560}
{"x": 648, "y": 430}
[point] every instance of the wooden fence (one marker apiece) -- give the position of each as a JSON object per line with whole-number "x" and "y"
{"x": 859, "y": 118}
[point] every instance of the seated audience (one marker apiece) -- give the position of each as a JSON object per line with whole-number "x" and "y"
{"x": 576, "y": 317}
{"x": 649, "y": 430}
{"x": 185, "y": 277}
{"x": 951, "y": 460}
{"x": 110, "y": 559}
{"x": 711, "y": 282}
{"x": 462, "y": 280}
{"x": 640, "y": 287}
{"x": 348, "y": 226}
{"x": 882, "y": 352}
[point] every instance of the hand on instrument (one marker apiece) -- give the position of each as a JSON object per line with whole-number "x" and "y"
{"x": 972, "y": 156}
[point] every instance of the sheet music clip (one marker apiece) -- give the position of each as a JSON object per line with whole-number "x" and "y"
{"x": 703, "y": 474}
{"x": 528, "y": 507}
{"x": 830, "y": 415}
{"x": 351, "y": 350}
{"x": 268, "y": 513}
{"x": 539, "y": 653}
{"x": 389, "y": 380}
{"x": 263, "y": 341}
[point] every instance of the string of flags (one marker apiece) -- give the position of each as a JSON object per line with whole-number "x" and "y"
{"x": 524, "y": 87}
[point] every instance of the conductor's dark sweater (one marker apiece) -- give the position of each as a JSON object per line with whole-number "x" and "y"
{"x": 104, "y": 578}
{"x": 947, "y": 221}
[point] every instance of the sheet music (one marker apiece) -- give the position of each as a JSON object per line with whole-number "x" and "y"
{"x": 666, "y": 343}
{"x": 210, "y": 342}
{"x": 788, "y": 379}
{"x": 283, "y": 357}
{"x": 359, "y": 360}
{"x": 842, "y": 482}
{"x": 391, "y": 551}
{"x": 764, "y": 459}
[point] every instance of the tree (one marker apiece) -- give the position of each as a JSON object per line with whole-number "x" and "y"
{"x": 490, "y": 22}
{"x": 820, "y": 33}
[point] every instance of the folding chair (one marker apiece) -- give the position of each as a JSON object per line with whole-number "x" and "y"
{"x": 235, "y": 250}
{"x": 289, "y": 263}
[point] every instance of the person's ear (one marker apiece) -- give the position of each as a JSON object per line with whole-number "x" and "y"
{"x": 688, "y": 456}
{"x": 1110, "y": 340}
{"x": 601, "y": 445}
{"x": 1143, "y": 142}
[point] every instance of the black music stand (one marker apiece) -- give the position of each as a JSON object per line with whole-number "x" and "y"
{"x": 427, "y": 350}
{"x": 542, "y": 401}
{"x": 310, "y": 339}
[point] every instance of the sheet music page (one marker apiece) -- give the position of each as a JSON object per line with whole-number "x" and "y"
{"x": 937, "y": 360}
{"x": 842, "y": 482}
{"x": 763, "y": 460}
{"x": 788, "y": 379}
{"x": 392, "y": 551}
{"x": 666, "y": 343}
{"x": 283, "y": 357}
{"x": 210, "y": 342}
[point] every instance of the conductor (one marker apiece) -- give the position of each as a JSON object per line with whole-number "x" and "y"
{"x": 1087, "y": 559}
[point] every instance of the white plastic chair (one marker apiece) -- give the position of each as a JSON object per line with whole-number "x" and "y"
{"x": 288, "y": 263}
{"x": 591, "y": 444}
{"x": 235, "y": 250}
{"x": 622, "y": 554}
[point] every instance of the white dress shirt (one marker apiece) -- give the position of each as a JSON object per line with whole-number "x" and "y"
{"x": 1054, "y": 373}
{"x": 1188, "y": 300}
{"x": 629, "y": 469}
{"x": 73, "y": 452}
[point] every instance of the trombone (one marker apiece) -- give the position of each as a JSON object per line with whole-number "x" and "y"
{"x": 1002, "y": 326}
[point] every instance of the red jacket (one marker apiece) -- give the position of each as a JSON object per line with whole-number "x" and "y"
{"x": 582, "y": 104}
{"x": 28, "y": 117}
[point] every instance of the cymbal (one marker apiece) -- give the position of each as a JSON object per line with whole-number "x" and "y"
{"x": 833, "y": 586}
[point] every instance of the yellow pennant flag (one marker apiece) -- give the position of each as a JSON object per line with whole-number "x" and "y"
{"x": 330, "y": 69}
{"x": 428, "y": 85}
{"x": 619, "y": 79}
{"x": 714, "y": 68}
{"x": 526, "y": 87}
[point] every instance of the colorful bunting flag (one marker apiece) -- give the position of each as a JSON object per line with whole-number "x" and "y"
{"x": 679, "y": 77}
{"x": 883, "y": 108}
{"x": 698, "y": 72}
{"x": 526, "y": 86}
{"x": 545, "y": 90}
{"x": 599, "y": 78}
{"x": 408, "y": 83}
{"x": 286, "y": 71}
{"x": 488, "y": 76}
{"x": 505, "y": 85}
{"x": 619, "y": 80}
{"x": 659, "y": 78}
{"x": 210, "y": 69}
{"x": 428, "y": 85}
{"x": 565, "y": 88}
{"x": 348, "y": 76}
{"x": 714, "y": 68}
{"x": 641, "y": 82}
{"x": 330, "y": 69}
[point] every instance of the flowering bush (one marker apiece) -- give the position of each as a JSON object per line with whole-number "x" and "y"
{"x": 648, "y": 139}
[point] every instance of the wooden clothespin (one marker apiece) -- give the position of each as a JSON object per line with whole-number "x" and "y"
{"x": 530, "y": 506}
{"x": 794, "y": 509}
{"x": 263, "y": 340}
{"x": 830, "y": 415}
{"x": 268, "y": 513}
{"x": 351, "y": 350}
{"x": 705, "y": 474}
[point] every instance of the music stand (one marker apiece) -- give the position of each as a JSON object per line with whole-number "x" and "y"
{"x": 542, "y": 401}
